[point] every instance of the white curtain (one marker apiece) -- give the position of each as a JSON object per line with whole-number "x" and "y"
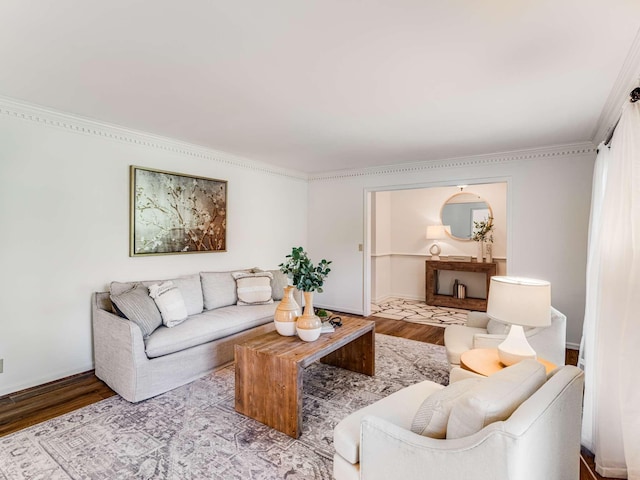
{"x": 610, "y": 350}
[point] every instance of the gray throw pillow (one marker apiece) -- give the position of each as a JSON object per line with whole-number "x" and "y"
{"x": 137, "y": 306}
{"x": 432, "y": 416}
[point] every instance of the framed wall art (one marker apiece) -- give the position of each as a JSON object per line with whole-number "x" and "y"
{"x": 176, "y": 213}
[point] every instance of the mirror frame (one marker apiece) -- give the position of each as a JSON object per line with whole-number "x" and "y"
{"x": 458, "y": 194}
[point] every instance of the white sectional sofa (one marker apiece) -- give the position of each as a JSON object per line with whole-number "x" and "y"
{"x": 139, "y": 359}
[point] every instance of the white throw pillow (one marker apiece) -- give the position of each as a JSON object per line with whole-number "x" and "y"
{"x": 170, "y": 303}
{"x": 253, "y": 288}
{"x": 495, "y": 398}
{"x": 432, "y": 416}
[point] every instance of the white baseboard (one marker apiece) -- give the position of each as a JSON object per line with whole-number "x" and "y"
{"x": 332, "y": 308}
{"x": 7, "y": 389}
{"x": 386, "y": 298}
{"x": 573, "y": 346}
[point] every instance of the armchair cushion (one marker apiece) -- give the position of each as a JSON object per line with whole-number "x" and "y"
{"x": 495, "y": 398}
{"x": 432, "y": 416}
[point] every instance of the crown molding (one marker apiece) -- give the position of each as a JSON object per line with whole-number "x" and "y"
{"x": 73, "y": 123}
{"x": 585, "y": 148}
{"x": 628, "y": 79}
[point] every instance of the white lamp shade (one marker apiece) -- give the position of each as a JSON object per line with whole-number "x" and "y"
{"x": 438, "y": 232}
{"x": 520, "y": 301}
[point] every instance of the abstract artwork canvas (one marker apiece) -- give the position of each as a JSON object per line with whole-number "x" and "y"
{"x": 176, "y": 213}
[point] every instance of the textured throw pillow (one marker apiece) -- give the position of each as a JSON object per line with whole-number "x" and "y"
{"x": 495, "y": 398}
{"x": 170, "y": 303}
{"x": 253, "y": 288}
{"x": 432, "y": 416}
{"x": 135, "y": 305}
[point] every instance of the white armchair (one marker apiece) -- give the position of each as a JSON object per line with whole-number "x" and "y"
{"x": 540, "y": 439}
{"x": 481, "y": 332}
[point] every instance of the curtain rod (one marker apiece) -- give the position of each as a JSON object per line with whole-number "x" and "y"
{"x": 634, "y": 96}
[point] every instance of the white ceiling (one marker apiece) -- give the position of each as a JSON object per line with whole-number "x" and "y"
{"x": 321, "y": 85}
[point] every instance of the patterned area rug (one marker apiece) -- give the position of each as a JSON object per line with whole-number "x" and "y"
{"x": 193, "y": 432}
{"x": 419, "y": 312}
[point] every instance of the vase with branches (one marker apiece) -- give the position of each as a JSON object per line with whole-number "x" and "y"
{"x": 483, "y": 234}
{"x": 308, "y": 278}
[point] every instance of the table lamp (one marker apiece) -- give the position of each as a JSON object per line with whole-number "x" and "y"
{"x": 520, "y": 302}
{"x": 437, "y": 232}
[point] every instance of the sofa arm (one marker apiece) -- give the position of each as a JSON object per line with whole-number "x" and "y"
{"x": 389, "y": 451}
{"x": 118, "y": 350}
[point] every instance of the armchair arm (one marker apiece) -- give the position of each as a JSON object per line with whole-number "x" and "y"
{"x": 389, "y": 451}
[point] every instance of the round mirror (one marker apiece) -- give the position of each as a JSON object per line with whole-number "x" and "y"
{"x": 461, "y": 210}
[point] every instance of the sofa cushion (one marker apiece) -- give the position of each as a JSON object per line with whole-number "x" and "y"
{"x": 189, "y": 287}
{"x": 495, "y": 398}
{"x": 278, "y": 282}
{"x": 170, "y": 303}
{"x": 253, "y": 288}
{"x": 432, "y": 416}
{"x": 346, "y": 435}
{"x": 207, "y": 326}
{"x": 136, "y": 305}
{"x": 218, "y": 289}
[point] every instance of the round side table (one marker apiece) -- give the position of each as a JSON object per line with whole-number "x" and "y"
{"x": 485, "y": 361}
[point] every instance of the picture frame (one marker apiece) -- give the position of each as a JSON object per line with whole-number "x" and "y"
{"x": 174, "y": 213}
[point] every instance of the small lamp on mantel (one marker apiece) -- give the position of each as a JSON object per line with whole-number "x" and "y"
{"x": 520, "y": 302}
{"x": 437, "y": 232}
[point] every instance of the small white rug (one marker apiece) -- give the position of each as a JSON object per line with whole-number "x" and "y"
{"x": 416, "y": 311}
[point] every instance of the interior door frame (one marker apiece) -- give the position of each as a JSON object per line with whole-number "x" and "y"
{"x": 367, "y": 234}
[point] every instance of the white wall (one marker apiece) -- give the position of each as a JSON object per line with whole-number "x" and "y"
{"x": 64, "y": 217}
{"x": 548, "y": 211}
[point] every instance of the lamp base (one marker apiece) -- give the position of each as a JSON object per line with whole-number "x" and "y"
{"x": 435, "y": 251}
{"x": 515, "y": 347}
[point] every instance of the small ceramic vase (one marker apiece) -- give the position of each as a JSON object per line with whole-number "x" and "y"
{"x": 286, "y": 313}
{"x": 308, "y": 325}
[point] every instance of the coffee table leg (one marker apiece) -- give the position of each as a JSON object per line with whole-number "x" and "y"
{"x": 269, "y": 389}
{"x": 357, "y": 356}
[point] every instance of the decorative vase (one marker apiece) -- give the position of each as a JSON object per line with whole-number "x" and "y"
{"x": 479, "y": 252}
{"x": 308, "y": 325}
{"x": 286, "y": 313}
{"x": 488, "y": 252}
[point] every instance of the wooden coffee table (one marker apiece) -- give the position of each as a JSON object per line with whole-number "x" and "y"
{"x": 269, "y": 370}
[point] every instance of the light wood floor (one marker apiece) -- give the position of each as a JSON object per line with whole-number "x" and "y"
{"x": 34, "y": 405}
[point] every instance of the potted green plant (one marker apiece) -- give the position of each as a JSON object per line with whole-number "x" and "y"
{"x": 308, "y": 278}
